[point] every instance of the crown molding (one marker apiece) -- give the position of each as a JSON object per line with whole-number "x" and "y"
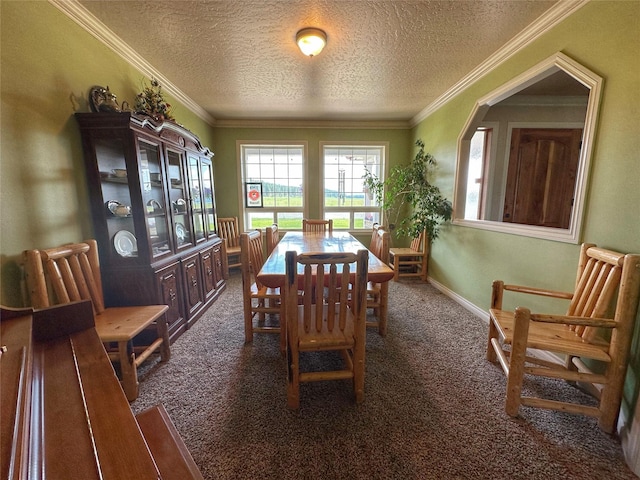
{"x": 279, "y": 123}
{"x": 91, "y": 24}
{"x": 548, "y": 20}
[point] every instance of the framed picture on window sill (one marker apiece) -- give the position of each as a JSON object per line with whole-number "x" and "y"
{"x": 253, "y": 194}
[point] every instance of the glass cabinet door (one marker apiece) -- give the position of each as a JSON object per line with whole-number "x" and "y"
{"x": 208, "y": 197}
{"x": 114, "y": 183}
{"x": 153, "y": 198}
{"x": 178, "y": 196}
{"x": 195, "y": 191}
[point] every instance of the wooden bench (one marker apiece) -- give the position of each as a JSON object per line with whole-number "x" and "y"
{"x": 167, "y": 447}
{"x": 64, "y": 413}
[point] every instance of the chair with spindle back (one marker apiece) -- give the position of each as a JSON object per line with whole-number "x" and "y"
{"x": 273, "y": 237}
{"x": 317, "y": 226}
{"x": 258, "y": 299}
{"x": 377, "y": 293}
{"x": 337, "y": 323}
{"x": 598, "y": 326}
{"x": 412, "y": 261}
{"x": 71, "y": 273}
{"x": 229, "y": 231}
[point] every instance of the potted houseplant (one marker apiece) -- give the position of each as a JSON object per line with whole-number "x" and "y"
{"x": 408, "y": 189}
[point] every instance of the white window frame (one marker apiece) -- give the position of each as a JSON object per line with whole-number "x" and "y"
{"x": 241, "y": 145}
{"x": 553, "y": 64}
{"x": 384, "y": 146}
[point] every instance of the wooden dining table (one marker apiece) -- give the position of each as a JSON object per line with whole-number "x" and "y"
{"x": 272, "y": 273}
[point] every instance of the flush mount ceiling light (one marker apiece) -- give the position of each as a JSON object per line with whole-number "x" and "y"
{"x": 311, "y": 41}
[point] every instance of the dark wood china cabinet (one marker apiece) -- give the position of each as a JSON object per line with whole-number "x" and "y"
{"x": 153, "y": 206}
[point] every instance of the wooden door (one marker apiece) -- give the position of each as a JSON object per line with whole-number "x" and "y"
{"x": 541, "y": 176}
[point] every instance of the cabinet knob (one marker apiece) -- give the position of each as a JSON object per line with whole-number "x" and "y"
{"x": 172, "y": 295}
{"x": 194, "y": 282}
{"x": 209, "y": 271}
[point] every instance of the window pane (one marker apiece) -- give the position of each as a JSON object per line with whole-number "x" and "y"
{"x": 340, "y": 220}
{"x": 474, "y": 175}
{"x": 280, "y": 170}
{"x": 259, "y": 220}
{"x": 366, "y": 219}
{"x": 289, "y": 221}
{"x": 344, "y": 168}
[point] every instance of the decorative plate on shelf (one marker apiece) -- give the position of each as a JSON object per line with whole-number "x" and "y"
{"x": 125, "y": 243}
{"x": 181, "y": 233}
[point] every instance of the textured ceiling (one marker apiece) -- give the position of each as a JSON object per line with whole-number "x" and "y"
{"x": 385, "y": 59}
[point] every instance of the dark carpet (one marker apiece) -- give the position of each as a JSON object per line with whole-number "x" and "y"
{"x": 433, "y": 409}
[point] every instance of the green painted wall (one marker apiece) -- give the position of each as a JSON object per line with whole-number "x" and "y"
{"x": 603, "y": 36}
{"x": 48, "y": 66}
{"x": 228, "y": 182}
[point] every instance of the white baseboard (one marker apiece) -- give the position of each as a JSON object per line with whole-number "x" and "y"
{"x": 477, "y": 311}
{"x": 484, "y": 315}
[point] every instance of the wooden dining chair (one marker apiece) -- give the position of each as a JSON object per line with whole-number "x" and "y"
{"x": 273, "y": 237}
{"x": 374, "y": 234}
{"x": 229, "y": 231}
{"x": 317, "y": 226}
{"x": 336, "y": 323}
{"x": 411, "y": 261}
{"x": 258, "y": 300}
{"x": 598, "y": 326}
{"x": 377, "y": 293}
{"x": 71, "y": 273}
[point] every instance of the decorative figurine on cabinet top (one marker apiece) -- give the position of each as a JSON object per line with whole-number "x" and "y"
{"x": 102, "y": 100}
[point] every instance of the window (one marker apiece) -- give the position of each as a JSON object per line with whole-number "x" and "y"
{"x": 476, "y": 176}
{"x": 344, "y": 197}
{"x": 273, "y": 179}
{"x": 557, "y": 93}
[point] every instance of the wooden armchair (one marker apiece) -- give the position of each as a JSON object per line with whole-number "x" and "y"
{"x": 412, "y": 261}
{"x": 72, "y": 273}
{"x": 377, "y": 293}
{"x": 257, "y": 298}
{"x": 229, "y": 231}
{"x": 335, "y": 324}
{"x": 273, "y": 237}
{"x": 606, "y": 282}
{"x": 317, "y": 226}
